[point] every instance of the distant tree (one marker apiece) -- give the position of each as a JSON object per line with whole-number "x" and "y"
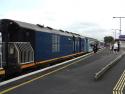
{"x": 108, "y": 39}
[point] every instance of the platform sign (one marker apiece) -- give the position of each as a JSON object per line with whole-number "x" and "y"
{"x": 122, "y": 37}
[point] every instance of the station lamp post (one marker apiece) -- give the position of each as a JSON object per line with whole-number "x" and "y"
{"x": 115, "y": 33}
{"x": 120, "y": 23}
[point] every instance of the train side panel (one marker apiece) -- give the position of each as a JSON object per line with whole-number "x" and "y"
{"x": 88, "y": 46}
{"x": 83, "y": 45}
{"x": 76, "y": 44}
{"x": 43, "y": 46}
{"x": 50, "y": 45}
{"x": 66, "y": 45}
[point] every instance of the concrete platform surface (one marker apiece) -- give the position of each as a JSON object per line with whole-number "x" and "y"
{"x": 77, "y": 78}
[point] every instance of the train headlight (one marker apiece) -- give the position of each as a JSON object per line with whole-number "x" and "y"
{"x": 11, "y": 50}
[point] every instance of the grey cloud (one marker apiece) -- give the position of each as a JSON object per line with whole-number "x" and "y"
{"x": 88, "y": 29}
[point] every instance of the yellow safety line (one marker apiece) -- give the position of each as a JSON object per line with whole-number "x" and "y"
{"x": 14, "y": 87}
{"x": 123, "y": 85}
{"x": 119, "y": 82}
{"x": 118, "y": 89}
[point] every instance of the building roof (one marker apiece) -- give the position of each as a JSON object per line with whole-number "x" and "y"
{"x": 122, "y": 37}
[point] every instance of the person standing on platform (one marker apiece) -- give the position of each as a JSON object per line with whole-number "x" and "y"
{"x": 118, "y": 46}
{"x": 111, "y": 47}
{"x": 115, "y": 47}
{"x": 95, "y": 48}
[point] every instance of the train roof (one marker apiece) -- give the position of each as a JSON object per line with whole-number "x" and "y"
{"x": 41, "y": 28}
{"x": 38, "y": 27}
{"x": 93, "y": 39}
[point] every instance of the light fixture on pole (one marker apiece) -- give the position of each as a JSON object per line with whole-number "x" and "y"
{"x": 120, "y": 23}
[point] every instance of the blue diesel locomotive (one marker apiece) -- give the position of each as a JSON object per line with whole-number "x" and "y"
{"x": 24, "y": 45}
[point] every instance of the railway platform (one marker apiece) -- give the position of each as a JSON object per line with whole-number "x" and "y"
{"x": 76, "y": 77}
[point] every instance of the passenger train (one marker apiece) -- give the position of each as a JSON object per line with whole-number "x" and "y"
{"x": 25, "y": 45}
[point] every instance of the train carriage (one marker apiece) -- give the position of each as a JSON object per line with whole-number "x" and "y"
{"x": 25, "y": 44}
{"x": 52, "y": 45}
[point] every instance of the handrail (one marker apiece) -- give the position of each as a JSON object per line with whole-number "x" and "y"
{"x": 23, "y": 50}
{"x": 1, "y": 60}
{"x": 26, "y": 52}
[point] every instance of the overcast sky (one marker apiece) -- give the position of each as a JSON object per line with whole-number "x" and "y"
{"x": 93, "y": 18}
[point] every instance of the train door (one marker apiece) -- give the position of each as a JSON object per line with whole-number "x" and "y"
{"x": 18, "y": 53}
{"x": 1, "y": 64}
{"x": 77, "y": 44}
{"x": 8, "y": 57}
{"x": 12, "y": 67}
{"x": 80, "y": 44}
{"x": 86, "y": 44}
{"x": 74, "y": 44}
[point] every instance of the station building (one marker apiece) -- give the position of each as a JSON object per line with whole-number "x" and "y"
{"x": 122, "y": 40}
